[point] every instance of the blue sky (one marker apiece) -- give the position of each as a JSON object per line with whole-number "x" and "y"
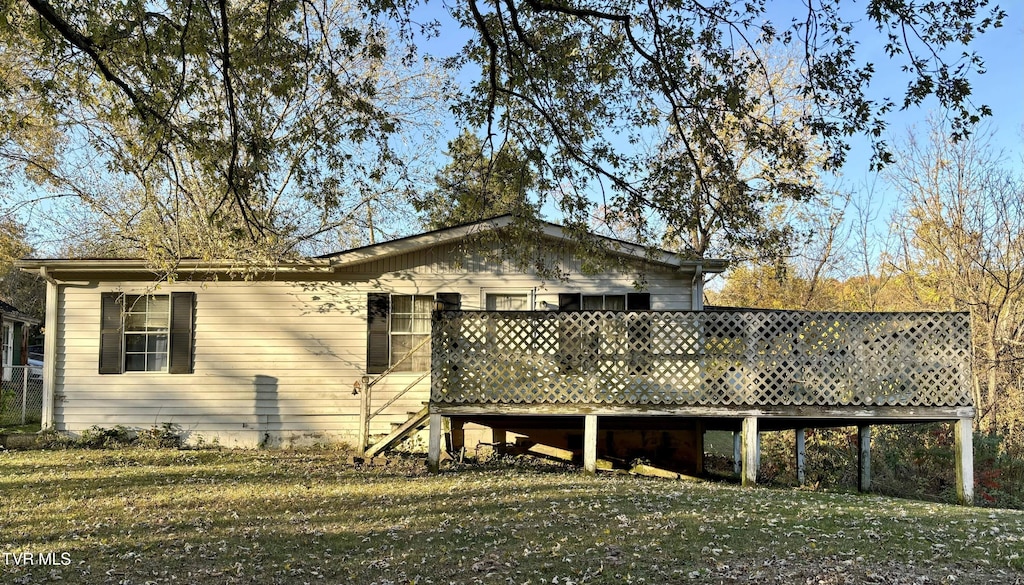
{"x": 1001, "y": 87}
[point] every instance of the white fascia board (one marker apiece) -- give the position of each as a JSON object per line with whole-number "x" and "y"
{"x": 123, "y": 266}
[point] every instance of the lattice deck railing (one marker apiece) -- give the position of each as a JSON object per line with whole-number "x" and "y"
{"x": 714, "y": 358}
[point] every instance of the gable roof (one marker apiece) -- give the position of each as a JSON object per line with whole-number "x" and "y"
{"x": 330, "y": 262}
{"x": 547, "y": 230}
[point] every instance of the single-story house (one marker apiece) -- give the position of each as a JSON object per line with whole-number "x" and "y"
{"x": 279, "y": 356}
{"x": 608, "y": 359}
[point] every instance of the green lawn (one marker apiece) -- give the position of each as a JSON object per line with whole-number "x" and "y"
{"x": 208, "y": 516}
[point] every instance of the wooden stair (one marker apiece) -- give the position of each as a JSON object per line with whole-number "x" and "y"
{"x": 416, "y": 421}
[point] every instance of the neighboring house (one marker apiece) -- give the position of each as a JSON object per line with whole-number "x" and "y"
{"x": 15, "y": 328}
{"x": 371, "y": 344}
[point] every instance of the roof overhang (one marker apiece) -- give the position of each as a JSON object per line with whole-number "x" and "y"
{"x": 95, "y": 269}
{"x": 547, "y": 230}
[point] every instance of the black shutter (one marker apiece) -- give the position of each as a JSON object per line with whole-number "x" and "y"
{"x": 183, "y": 305}
{"x": 569, "y": 302}
{"x": 111, "y": 334}
{"x": 638, "y": 302}
{"x": 378, "y": 341}
{"x": 450, "y": 301}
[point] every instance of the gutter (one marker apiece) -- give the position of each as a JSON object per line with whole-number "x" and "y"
{"x": 697, "y": 288}
{"x": 45, "y": 268}
{"x": 45, "y": 275}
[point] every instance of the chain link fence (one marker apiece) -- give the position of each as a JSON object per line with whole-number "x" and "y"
{"x": 21, "y": 395}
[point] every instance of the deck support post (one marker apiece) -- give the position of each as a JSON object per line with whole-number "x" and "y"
{"x": 963, "y": 433}
{"x": 801, "y": 451}
{"x": 750, "y": 451}
{"x": 737, "y": 453}
{"x": 757, "y": 453}
{"x": 864, "y": 458}
{"x": 458, "y": 435}
{"x": 590, "y": 443}
{"x": 434, "y": 444}
{"x": 498, "y": 438}
{"x": 699, "y": 431}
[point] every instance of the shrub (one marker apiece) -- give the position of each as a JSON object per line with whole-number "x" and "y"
{"x": 908, "y": 461}
{"x": 96, "y": 437}
{"x": 998, "y": 471}
{"x": 165, "y": 436}
{"x": 914, "y": 461}
{"x": 52, "y": 439}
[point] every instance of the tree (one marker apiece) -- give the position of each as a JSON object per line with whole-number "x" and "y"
{"x": 722, "y": 195}
{"x": 591, "y": 83}
{"x": 214, "y": 105}
{"x": 206, "y": 128}
{"x": 475, "y": 185}
{"x": 964, "y": 250}
{"x": 25, "y": 291}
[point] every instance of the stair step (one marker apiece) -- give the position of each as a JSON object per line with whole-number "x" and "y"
{"x": 417, "y": 421}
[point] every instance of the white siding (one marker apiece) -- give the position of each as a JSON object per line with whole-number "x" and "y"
{"x": 277, "y": 360}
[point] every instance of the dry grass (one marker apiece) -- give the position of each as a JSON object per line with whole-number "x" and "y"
{"x": 165, "y": 516}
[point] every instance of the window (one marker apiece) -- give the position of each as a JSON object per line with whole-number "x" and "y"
{"x": 147, "y": 328}
{"x": 611, "y": 338}
{"x": 604, "y": 302}
{"x": 398, "y": 325}
{"x": 506, "y": 299}
{"x": 410, "y": 327}
{"x": 627, "y": 302}
{"x": 517, "y": 301}
{"x": 146, "y": 333}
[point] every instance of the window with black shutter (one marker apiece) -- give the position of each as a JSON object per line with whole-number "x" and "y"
{"x": 582, "y": 302}
{"x": 398, "y": 330}
{"x": 410, "y": 332}
{"x": 147, "y": 333}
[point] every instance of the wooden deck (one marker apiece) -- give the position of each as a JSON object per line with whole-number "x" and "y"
{"x": 784, "y": 369}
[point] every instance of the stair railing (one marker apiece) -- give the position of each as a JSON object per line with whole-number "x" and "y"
{"x": 365, "y": 394}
